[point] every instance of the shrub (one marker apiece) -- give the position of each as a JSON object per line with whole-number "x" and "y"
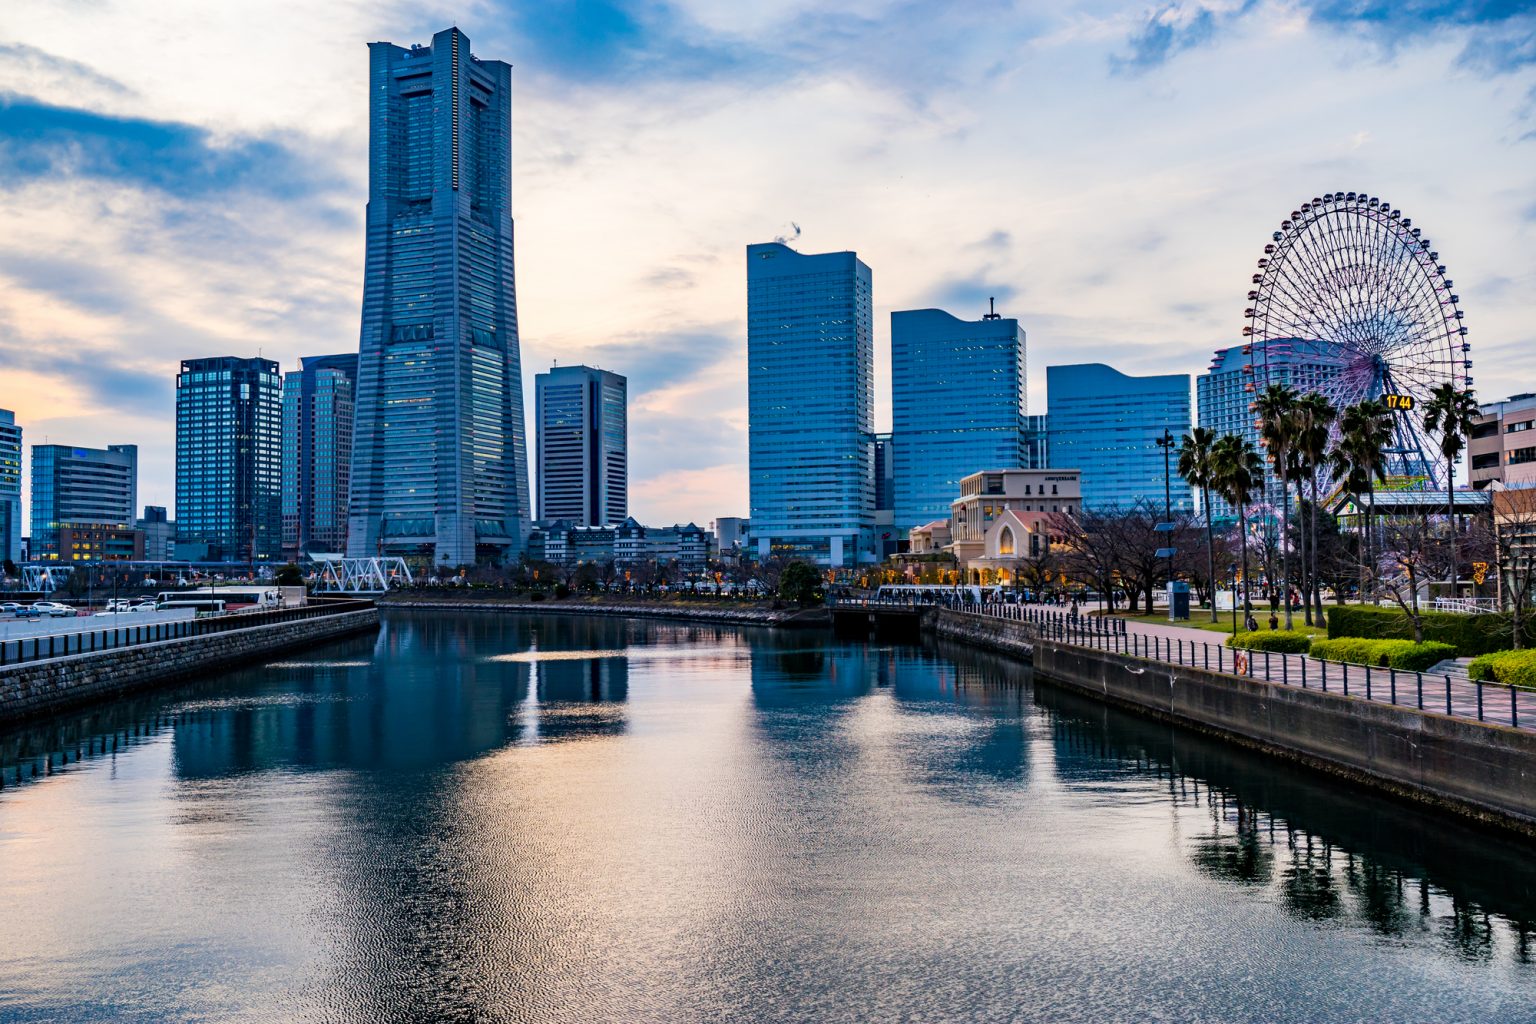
{"x": 1512, "y": 667}
{"x": 537, "y": 595}
{"x": 1469, "y": 634}
{"x": 1399, "y": 654}
{"x": 1267, "y": 640}
{"x": 1420, "y": 657}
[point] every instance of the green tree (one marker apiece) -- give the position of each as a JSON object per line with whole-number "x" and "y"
{"x": 1195, "y": 467}
{"x": 289, "y": 575}
{"x": 1236, "y": 471}
{"x": 801, "y": 584}
{"x": 1451, "y": 413}
{"x": 1279, "y": 427}
{"x": 1359, "y": 463}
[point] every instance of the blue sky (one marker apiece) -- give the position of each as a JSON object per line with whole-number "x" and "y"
{"x": 181, "y": 179}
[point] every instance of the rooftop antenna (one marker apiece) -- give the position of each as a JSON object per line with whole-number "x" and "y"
{"x": 993, "y": 314}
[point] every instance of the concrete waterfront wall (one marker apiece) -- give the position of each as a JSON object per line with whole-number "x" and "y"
{"x": 1484, "y": 771}
{"x": 725, "y": 615}
{"x": 38, "y": 688}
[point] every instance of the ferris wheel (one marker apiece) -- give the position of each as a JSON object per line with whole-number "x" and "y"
{"x": 1351, "y": 301}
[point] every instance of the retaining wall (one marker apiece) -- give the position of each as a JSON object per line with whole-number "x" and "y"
{"x": 44, "y": 687}
{"x": 1478, "y": 769}
{"x": 703, "y": 613}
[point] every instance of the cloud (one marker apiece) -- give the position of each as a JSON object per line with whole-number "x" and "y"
{"x": 1168, "y": 30}
{"x": 38, "y": 140}
{"x": 655, "y": 361}
{"x": 968, "y": 298}
{"x": 22, "y": 63}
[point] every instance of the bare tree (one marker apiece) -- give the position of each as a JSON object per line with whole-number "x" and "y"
{"x": 1512, "y": 532}
{"x": 1090, "y": 554}
{"x": 1411, "y": 555}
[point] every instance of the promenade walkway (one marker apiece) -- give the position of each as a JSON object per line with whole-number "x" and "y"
{"x": 1442, "y": 693}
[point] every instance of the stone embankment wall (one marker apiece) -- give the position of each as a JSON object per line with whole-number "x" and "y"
{"x": 1481, "y": 770}
{"x": 725, "y": 615}
{"x": 44, "y": 687}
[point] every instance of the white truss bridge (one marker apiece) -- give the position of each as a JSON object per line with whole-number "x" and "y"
{"x": 360, "y": 575}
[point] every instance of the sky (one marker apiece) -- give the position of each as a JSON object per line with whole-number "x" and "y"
{"x": 185, "y": 179}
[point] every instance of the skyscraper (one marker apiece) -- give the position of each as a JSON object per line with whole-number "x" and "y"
{"x": 439, "y": 458}
{"x": 229, "y": 426}
{"x": 957, "y": 406}
{"x": 583, "y": 445}
{"x": 1227, "y": 390}
{"x": 318, "y": 405}
{"x": 810, "y": 404}
{"x": 82, "y": 489}
{"x": 10, "y": 487}
{"x": 1106, "y": 423}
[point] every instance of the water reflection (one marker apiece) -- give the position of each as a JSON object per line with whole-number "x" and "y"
{"x": 1324, "y": 850}
{"x": 546, "y": 819}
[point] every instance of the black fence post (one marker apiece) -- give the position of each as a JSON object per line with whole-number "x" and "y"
{"x": 1479, "y": 702}
{"x": 1448, "y": 693}
{"x": 1421, "y": 689}
{"x": 1392, "y": 677}
{"x": 1514, "y": 711}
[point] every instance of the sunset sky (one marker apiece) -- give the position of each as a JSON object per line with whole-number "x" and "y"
{"x": 186, "y": 179}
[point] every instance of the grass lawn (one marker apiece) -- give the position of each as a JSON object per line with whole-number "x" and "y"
{"x": 1200, "y": 618}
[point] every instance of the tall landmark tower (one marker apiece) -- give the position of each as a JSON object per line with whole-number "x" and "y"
{"x": 440, "y": 461}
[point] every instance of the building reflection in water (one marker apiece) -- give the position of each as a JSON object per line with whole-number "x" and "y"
{"x": 1320, "y": 848}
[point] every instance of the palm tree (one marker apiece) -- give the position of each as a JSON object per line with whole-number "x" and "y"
{"x": 1279, "y": 427}
{"x": 1451, "y": 413}
{"x": 1236, "y": 470}
{"x": 1195, "y": 467}
{"x": 1317, "y": 415}
{"x": 1359, "y": 459}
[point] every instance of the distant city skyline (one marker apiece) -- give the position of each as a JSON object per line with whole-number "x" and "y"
{"x": 1109, "y": 171}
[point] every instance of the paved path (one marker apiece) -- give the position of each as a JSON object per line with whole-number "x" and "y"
{"x": 1455, "y": 695}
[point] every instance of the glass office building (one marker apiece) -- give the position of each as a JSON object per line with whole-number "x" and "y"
{"x": 440, "y": 461}
{"x": 1225, "y": 393}
{"x": 957, "y": 406}
{"x": 318, "y": 406}
{"x": 10, "y": 487}
{"x": 583, "y": 445}
{"x": 229, "y": 429}
{"x": 810, "y": 404}
{"x": 1106, "y": 424}
{"x": 81, "y": 490}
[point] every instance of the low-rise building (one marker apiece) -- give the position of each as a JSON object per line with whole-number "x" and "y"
{"x": 986, "y": 496}
{"x": 1502, "y": 446}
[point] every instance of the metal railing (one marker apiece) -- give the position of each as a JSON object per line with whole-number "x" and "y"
{"x": 26, "y": 650}
{"x": 1498, "y": 703}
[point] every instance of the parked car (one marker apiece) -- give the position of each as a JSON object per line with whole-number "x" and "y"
{"x": 53, "y": 609}
{"x": 21, "y": 611}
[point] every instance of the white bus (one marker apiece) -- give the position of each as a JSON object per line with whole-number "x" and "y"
{"x": 218, "y": 599}
{"x": 967, "y": 592}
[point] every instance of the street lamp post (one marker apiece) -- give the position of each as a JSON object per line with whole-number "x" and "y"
{"x": 1166, "y": 443}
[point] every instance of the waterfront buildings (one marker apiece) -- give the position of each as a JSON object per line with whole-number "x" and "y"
{"x": 1106, "y": 424}
{"x": 440, "y": 464}
{"x": 810, "y": 404}
{"x": 159, "y": 533}
{"x": 583, "y": 445}
{"x": 957, "y": 405}
{"x": 1226, "y": 392}
{"x": 1036, "y": 443}
{"x": 733, "y": 535}
{"x": 229, "y": 415}
{"x": 1502, "y": 447}
{"x": 83, "y": 502}
{"x": 621, "y": 546}
{"x": 318, "y": 408}
{"x": 987, "y": 495}
{"x": 10, "y": 487}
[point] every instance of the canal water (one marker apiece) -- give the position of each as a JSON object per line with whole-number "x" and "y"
{"x": 556, "y": 819}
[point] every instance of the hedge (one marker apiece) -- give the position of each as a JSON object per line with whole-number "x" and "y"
{"x": 1399, "y": 654}
{"x": 1271, "y": 640}
{"x": 1514, "y": 667}
{"x": 1469, "y": 634}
